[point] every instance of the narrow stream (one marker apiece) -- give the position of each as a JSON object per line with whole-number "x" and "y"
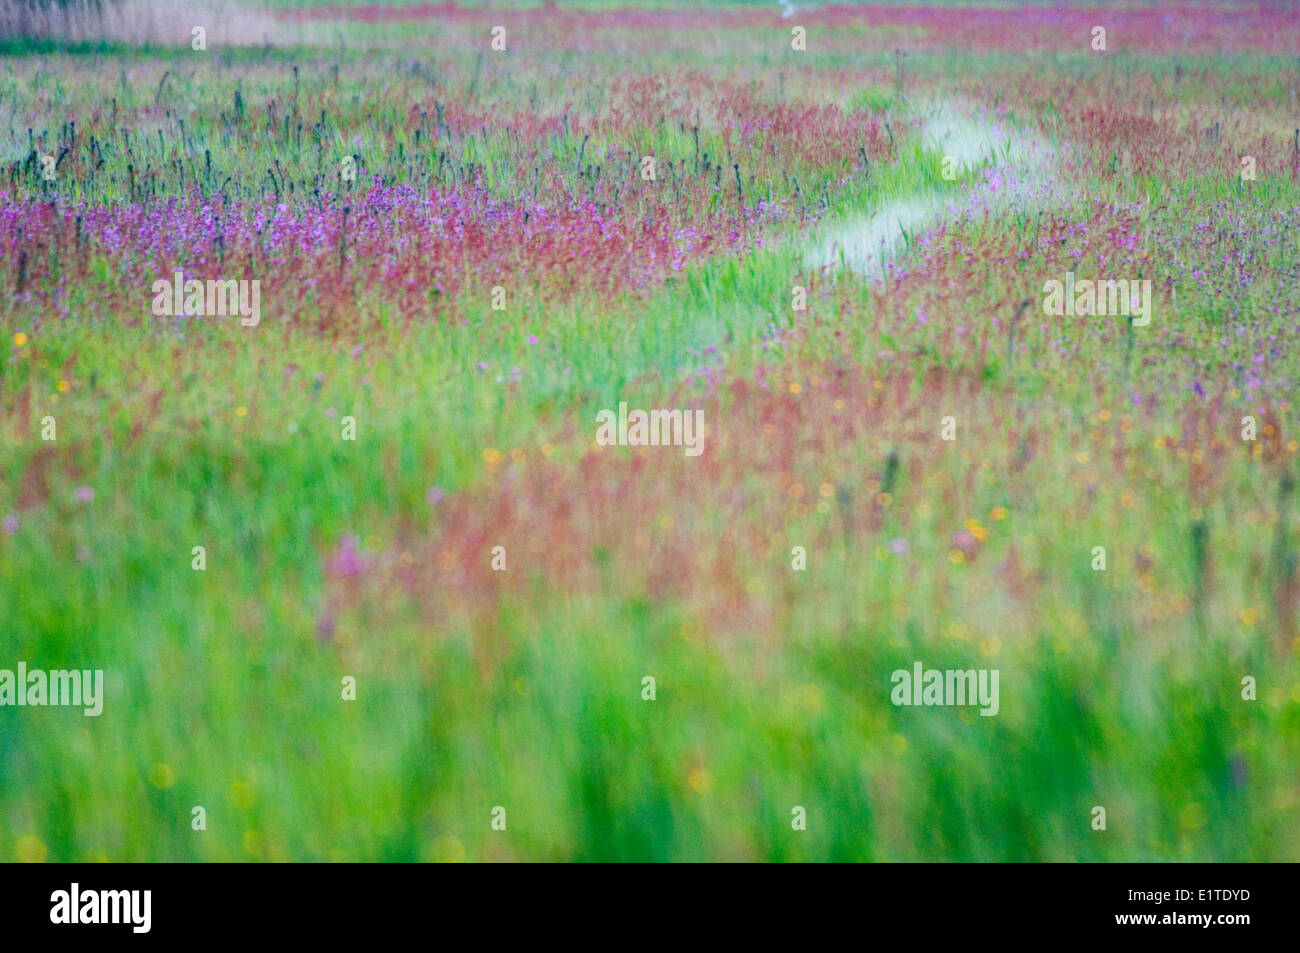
{"x": 1009, "y": 169}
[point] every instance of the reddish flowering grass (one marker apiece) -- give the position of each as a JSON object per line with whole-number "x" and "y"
{"x": 1162, "y": 28}
{"x": 783, "y": 467}
{"x": 822, "y": 430}
{"x": 449, "y": 197}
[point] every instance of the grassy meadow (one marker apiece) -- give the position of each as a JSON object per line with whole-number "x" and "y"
{"x": 462, "y": 260}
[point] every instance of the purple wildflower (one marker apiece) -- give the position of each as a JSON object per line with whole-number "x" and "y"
{"x": 348, "y": 561}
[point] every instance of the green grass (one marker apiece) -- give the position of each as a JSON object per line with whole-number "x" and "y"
{"x": 1120, "y": 689}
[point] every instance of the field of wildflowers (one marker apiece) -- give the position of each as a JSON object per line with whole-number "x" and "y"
{"x": 359, "y": 573}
